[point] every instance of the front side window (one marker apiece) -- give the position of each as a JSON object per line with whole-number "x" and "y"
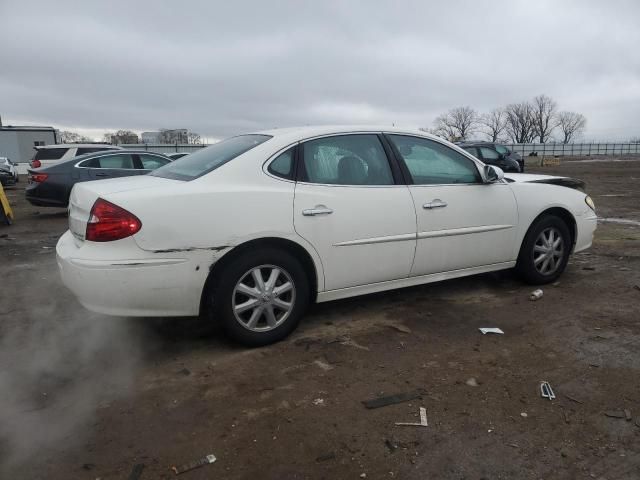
{"x": 471, "y": 150}
{"x": 431, "y": 163}
{"x": 116, "y": 161}
{"x": 151, "y": 162}
{"x": 346, "y": 160}
{"x": 489, "y": 154}
{"x": 502, "y": 149}
{"x": 208, "y": 159}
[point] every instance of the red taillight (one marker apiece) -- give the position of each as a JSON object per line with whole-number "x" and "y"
{"x": 108, "y": 222}
{"x": 36, "y": 163}
{"x": 38, "y": 177}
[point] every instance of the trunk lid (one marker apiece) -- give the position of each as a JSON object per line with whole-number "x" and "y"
{"x": 84, "y": 195}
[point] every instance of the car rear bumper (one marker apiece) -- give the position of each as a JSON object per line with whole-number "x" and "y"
{"x": 152, "y": 285}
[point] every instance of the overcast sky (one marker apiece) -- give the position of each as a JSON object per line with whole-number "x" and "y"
{"x": 221, "y": 68}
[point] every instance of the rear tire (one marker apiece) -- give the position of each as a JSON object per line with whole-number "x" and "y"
{"x": 260, "y": 297}
{"x": 545, "y": 251}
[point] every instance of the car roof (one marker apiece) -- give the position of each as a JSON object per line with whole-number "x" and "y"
{"x": 299, "y": 133}
{"x": 78, "y": 145}
{"x": 479, "y": 142}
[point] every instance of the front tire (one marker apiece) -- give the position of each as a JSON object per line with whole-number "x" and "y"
{"x": 260, "y": 296}
{"x": 545, "y": 251}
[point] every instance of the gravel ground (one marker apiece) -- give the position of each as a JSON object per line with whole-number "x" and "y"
{"x": 86, "y": 396}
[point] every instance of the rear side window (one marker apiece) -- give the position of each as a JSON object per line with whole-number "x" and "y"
{"x": 431, "y": 163}
{"x": 346, "y": 160}
{"x": 83, "y": 150}
{"x": 151, "y": 162}
{"x": 208, "y": 159}
{"x": 282, "y": 166}
{"x": 116, "y": 161}
{"x": 50, "y": 153}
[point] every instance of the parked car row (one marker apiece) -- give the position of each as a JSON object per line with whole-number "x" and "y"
{"x": 50, "y": 186}
{"x": 252, "y": 229}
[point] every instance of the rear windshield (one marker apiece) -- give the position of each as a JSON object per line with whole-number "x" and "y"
{"x": 50, "y": 153}
{"x": 208, "y": 159}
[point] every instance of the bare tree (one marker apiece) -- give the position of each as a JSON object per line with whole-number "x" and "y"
{"x": 571, "y": 124}
{"x": 519, "y": 122}
{"x": 194, "y": 138}
{"x": 121, "y": 136}
{"x": 73, "y": 137}
{"x": 495, "y": 123}
{"x": 543, "y": 110}
{"x": 457, "y": 124}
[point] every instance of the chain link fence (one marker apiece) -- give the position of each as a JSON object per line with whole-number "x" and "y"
{"x": 574, "y": 149}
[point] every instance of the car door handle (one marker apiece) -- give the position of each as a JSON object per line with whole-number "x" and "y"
{"x": 437, "y": 203}
{"x": 102, "y": 174}
{"x": 317, "y": 210}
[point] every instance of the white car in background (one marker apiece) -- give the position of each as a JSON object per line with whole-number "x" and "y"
{"x": 9, "y": 166}
{"x": 254, "y": 228}
{"x": 47, "y": 155}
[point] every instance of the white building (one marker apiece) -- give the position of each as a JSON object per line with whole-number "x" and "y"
{"x": 17, "y": 142}
{"x": 150, "y": 137}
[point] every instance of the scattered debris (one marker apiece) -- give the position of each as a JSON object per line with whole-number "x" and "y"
{"x": 496, "y": 330}
{"x": 536, "y": 295}
{"x": 326, "y": 457}
{"x": 423, "y": 420}
{"x": 472, "y": 382}
{"x": 323, "y": 365}
{"x": 392, "y": 399}
{"x": 399, "y": 328}
{"x": 638, "y": 422}
{"x": 637, "y": 287}
{"x": 573, "y": 399}
{"x": 136, "y": 471}
{"x": 392, "y": 445}
{"x": 615, "y": 414}
{"x": 88, "y": 466}
{"x": 523, "y": 414}
{"x": 349, "y": 342}
{"x": 193, "y": 465}
{"x": 546, "y": 391}
{"x": 185, "y": 372}
{"x": 627, "y": 414}
{"x": 589, "y": 268}
{"x": 363, "y": 475}
{"x": 319, "y": 402}
{"x": 566, "y": 417}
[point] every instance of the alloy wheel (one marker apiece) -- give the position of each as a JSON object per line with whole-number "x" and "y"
{"x": 263, "y": 298}
{"x": 548, "y": 251}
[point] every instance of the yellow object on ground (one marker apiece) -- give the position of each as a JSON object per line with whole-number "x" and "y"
{"x": 6, "y": 213}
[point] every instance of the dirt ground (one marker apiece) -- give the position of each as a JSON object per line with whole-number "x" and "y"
{"x": 86, "y": 396}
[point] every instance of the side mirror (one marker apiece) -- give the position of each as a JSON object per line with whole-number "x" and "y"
{"x": 492, "y": 174}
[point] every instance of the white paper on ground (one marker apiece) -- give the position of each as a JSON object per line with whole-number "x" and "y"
{"x": 491, "y": 330}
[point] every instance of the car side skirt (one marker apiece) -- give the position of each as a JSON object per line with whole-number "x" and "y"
{"x": 409, "y": 281}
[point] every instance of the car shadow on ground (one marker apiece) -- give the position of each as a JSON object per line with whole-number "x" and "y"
{"x": 174, "y": 335}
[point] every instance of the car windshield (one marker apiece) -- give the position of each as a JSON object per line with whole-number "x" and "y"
{"x": 208, "y": 159}
{"x": 502, "y": 149}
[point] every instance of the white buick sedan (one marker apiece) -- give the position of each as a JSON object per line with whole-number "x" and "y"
{"x": 252, "y": 229}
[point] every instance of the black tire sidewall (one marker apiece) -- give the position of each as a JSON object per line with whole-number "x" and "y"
{"x": 222, "y": 291}
{"x": 525, "y": 266}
